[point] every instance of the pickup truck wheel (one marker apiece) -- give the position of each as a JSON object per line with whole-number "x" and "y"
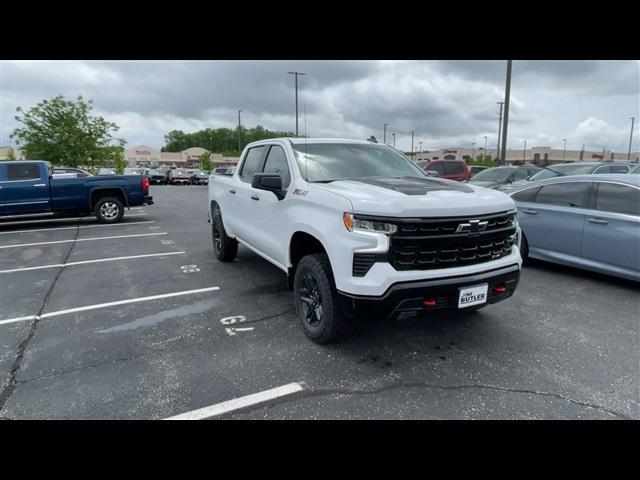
{"x": 109, "y": 210}
{"x": 316, "y": 300}
{"x": 524, "y": 247}
{"x": 224, "y": 247}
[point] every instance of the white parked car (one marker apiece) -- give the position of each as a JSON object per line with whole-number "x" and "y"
{"x": 360, "y": 228}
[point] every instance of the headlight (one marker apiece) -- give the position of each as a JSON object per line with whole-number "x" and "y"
{"x": 358, "y": 225}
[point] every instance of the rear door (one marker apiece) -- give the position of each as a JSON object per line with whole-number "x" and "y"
{"x": 612, "y": 228}
{"x": 25, "y": 189}
{"x": 554, "y": 221}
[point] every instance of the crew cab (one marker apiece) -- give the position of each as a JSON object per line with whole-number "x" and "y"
{"x": 358, "y": 227}
{"x": 30, "y": 188}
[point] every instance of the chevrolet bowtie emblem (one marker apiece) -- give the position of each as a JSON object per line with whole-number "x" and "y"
{"x": 472, "y": 226}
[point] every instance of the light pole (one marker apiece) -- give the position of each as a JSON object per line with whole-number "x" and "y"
{"x": 630, "y": 139}
{"x": 564, "y": 151}
{"x": 603, "y": 150}
{"x": 524, "y": 152}
{"x": 296, "y": 74}
{"x": 420, "y": 143}
{"x": 239, "y": 132}
{"x": 394, "y": 139}
{"x": 485, "y": 148}
{"x": 507, "y": 96}
{"x": 499, "y": 133}
{"x": 384, "y": 136}
{"x": 473, "y": 150}
{"x": 412, "y": 144}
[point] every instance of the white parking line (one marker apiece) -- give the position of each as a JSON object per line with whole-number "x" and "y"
{"x": 237, "y": 403}
{"x": 108, "y": 304}
{"x": 82, "y": 240}
{"x": 64, "y": 219}
{"x": 99, "y": 260}
{"x": 73, "y": 228}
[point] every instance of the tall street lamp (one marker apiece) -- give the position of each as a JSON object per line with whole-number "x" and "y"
{"x": 296, "y": 74}
{"x": 394, "y": 139}
{"x": 485, "y": 147}
{"x": 499, "y": 132}
{"x": 412, "y": 144}
{"x": 564, "y": 151}
{"x": 473, "y": 150}
{"x": 420, "y": 149}
{"x": 384, "y": 136}
{"x": 524, "y": 152}
{"x": 239, "y": 132}
{"x": 630, "y": 139}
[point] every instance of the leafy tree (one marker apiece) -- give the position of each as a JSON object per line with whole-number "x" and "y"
{"x": 205, "y": 161}
{"x": 219, "y": 139}
{"x": 64, "y": 132}
{"x": 11, "y": 155}
{"x": 119, "y": 161}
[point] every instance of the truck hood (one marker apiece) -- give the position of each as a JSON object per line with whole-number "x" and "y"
{"x": 418, "y": 197}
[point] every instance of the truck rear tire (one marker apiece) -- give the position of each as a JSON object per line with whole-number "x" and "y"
{"x": 224, "y": 247}
{"x": 109, "y": 210}
{"x": 316, "y": 300}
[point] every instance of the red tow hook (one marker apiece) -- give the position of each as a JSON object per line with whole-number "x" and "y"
{"x": 499, "y": 289}
{"x": 430, "y": 302}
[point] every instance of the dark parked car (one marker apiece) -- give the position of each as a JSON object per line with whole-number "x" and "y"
{"x": 179, "y": 177}
{"x": 584, "y": 221}
{"x": 450, "y": 169}
{"x": 157, "y": 176}
{"x": 200, "y": 177}
{"x": 498, "y": 176}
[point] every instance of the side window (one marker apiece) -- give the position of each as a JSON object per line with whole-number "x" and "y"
{"x": 251, "y": 163}
{"x": 520, "y": 174}
{"x": 453, "y": 168}
{"x": 618, "y": 168}
{"x": 437, "y": 167}
{"x": 567, "y": 194}
{"x": 618, "y": 199}
{"x": 277, "y": 163}
{"x": 23, "y": 171}
{"x": 603, "y": 169}
{"x": 525, "y": 195}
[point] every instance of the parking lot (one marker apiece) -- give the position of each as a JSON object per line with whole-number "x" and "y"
{"x": 138, "y": 320}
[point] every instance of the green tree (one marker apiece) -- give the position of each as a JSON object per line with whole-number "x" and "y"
{"x": 11, "y": 155}
{"x": 64, "y": 132}
{"x": 205, "y": 161}
{"x": 219, "y": 139}
{"x": 118, "y": 160}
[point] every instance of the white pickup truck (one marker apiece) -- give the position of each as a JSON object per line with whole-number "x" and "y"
{"x": 358, "y": 227}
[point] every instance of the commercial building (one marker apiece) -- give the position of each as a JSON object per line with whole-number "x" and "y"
{"x": 535, "y": 155}
{"x": 144, "y": 156}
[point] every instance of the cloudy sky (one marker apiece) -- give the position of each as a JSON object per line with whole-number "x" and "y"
{"x": 446, "y": 103}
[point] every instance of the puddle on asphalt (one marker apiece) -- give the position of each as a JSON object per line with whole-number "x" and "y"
{"x": 183, "y": 310}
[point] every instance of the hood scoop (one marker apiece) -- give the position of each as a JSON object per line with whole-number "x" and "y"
{"x": 416, "y": 185}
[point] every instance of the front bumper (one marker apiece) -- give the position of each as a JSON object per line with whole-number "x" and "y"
{"x": 405, "y": 299}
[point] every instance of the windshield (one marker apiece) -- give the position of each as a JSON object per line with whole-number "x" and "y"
{"x": 326, "y": 162}
{"x": 498, "y": 174}
{"x": 559, "y": 170}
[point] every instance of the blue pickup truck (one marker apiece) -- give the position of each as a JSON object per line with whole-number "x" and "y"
{"x": 28, "y": 188}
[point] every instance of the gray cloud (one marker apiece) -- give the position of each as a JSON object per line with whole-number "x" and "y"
{"x": 445, "y": 103}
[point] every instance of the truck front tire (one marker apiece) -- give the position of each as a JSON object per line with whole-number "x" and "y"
{"x": 316, "y": 300}
{"x": 109, "y": 210}
{"x": 224, "y": 247}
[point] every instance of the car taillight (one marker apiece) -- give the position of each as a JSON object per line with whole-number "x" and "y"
{"x": 144, "y": 183}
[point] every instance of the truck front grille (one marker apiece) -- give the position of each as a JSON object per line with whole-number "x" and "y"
{"x": 428, "y": 243}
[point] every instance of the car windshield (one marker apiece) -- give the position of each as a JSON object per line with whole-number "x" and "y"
{"x": 635, "y": 169}
{"x": 559, "y": 170}
{"x": 327, "y": 162}
{"x": 498, "y": 174}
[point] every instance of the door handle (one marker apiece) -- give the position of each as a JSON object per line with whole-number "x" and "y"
{"x": 530, "y": 212}
{"x": 232, "y": 191}
{"x": 597, "y": 221}
{"x": 40, "y": 185}
{"x": 255, "y": 197}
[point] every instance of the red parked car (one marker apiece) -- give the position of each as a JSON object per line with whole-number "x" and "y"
{"x": 451, "y": 169}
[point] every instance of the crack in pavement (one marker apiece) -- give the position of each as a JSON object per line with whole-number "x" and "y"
{"x": 345, "y": 391}
{"x": 12, "y": 383}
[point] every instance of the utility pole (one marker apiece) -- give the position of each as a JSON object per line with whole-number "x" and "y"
{"x": 296, "y": 74}
{"x": 499, "y": 133}
{"x": 420, "y": 150}
{"x": 412, "y": 144}
{"x": 485, "y": 148}
{"x": 564, "y": 151}
{"x": 524, "y": 152}
{"x": 473, "y": 150}
{"x": 507, "y": 96}
{"x": 239, "y": 133}
{"x": 384, "y": 136}
{"x": 394, "y": 139}
{"x": 630, "y": 140}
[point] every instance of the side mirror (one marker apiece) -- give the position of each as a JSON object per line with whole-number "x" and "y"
{"x": 272, "y": 182}
{"x": 432, "y": 173}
